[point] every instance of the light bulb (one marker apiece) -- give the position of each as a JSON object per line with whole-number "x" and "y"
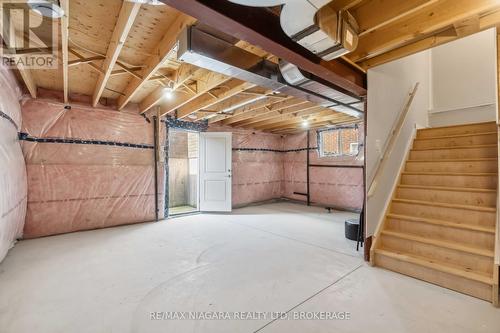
{"x": 305, "y": 124}
{"x": 167, "y": 92}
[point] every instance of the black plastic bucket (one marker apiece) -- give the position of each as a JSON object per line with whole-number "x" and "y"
{"x": 351, "y": 229}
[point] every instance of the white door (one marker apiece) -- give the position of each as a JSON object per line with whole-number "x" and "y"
{"x": 215, "y": 172}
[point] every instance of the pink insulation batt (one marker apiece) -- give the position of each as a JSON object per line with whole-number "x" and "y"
{"x": 82, "y": 186}
{"x": 335, "y": 187}
{"x": 264, "y": 175}
{"x": 13, "y": 186}
{"x": 74, "y": 186}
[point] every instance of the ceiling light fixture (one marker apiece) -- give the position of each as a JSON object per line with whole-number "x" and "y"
{"x": 168, "y": 92}
{"x": 305, "y": 123}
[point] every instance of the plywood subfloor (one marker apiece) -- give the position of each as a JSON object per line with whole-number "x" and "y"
{"x": 277, "y": 257}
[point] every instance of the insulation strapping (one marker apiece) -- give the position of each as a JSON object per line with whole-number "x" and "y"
{"x": 275, "y": 150}
{"x": 9, "y": 119}
{"x": 27, "y": 137}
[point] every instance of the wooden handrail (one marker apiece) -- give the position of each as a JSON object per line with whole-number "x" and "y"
{"x": 396, "y": 129}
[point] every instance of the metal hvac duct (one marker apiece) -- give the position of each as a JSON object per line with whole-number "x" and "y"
{"x": 315, "y": 25}
{"x": 215, "y": 51}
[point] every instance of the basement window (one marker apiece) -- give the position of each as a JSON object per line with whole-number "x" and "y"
{"x": 339, "y": 141}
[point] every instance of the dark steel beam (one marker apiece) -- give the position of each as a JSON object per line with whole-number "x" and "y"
{"x": 262, "y": 28}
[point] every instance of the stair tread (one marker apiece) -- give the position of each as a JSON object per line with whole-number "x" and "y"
{"x": 459, "y": 125}
{"x": 447, "y": 188}
{"x": 450, "y": 173}
{"x": 443, "y": 223}
{"x": 456, "y": 147}
{"x": 456, "y": 136}
{"x": 447, "y": 205}
{"x": 436, "y": 265}
{"x": 441, "y": 243}
{"x": 489, "y": 159}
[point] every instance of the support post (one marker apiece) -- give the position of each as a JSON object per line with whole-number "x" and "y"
{"x": 155, "y": 144}
{"x": 308, "y": 167}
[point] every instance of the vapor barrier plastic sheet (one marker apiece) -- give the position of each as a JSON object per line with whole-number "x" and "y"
{"x": 77, "y": 180}
{"x": 337, "y": 187}
{"x": 12, "y": 167}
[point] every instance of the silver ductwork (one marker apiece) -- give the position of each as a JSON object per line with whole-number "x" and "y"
{"x": 315, "y": 25}
{"x": 217, "y": 53}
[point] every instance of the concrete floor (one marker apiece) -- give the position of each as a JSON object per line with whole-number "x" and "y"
{"x": 181, "y": 210}
{"x": 276, "y": 257}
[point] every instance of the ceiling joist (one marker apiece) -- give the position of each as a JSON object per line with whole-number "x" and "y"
{"x": 223, "y": 92}
{"x": 275, "y": 108}
{"x": 27, "y": 77}
{"x": 184, "y": 73}
{"x": 418, "y": 25}
{"x": 64, "y": 47}
{"x": 160, "y": 55}
{"x": 204, "y": 82}
{"x": 270, "y": 116}
{"x": 124, "y": 23}
{"x": 485, "y": 21}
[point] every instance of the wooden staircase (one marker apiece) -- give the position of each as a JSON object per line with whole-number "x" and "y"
{"x": 440, "y": 224}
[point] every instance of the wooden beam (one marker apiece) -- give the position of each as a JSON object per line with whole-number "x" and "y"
{"x": 266, "y": 32}
{"x": 246, "y": 117}
{"x": 64, "y": 45}
{"x": 485, "y": 22}
{"x": 319, "y": 122}
{"x": 185, "y": 73}
{"x": 229, "y": 89}
{"x": 81, "y": 57}
{"x": 259, "y": 105}
{"x": 160, "y": 55}
{"x": 307, "y": 111}
{"x": 345, "y": 4}
{"x": 232, "y": 102}
{"x": 84, "y": 60}
{"x": 418, "y": 25}
{"x": 283, "y": 114}
{"x": 318, "y": 113}
{"x": 375, "y": 14}
{"x": 322, "y": 124}
{"x": 122, "y": 71}
{"x": 27, "y": 77}
{"x": 126, "y": 19}
{"x": 205, "y": 81}
{"x": 467, "y": 27}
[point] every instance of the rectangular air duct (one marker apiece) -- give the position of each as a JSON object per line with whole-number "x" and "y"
{"x": 215, "y": 51}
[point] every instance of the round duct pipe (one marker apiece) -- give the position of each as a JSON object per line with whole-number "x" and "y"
{"x": 47, "y": 8}
{"x": 314, "y": 25}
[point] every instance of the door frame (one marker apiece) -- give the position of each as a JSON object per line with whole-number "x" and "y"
{"x": 167, "y": 168}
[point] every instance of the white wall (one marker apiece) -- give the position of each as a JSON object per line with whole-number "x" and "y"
{"x": 463, "y": 75}
{"x": 388, "y": 89}
{"x": 457, "y": 86}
